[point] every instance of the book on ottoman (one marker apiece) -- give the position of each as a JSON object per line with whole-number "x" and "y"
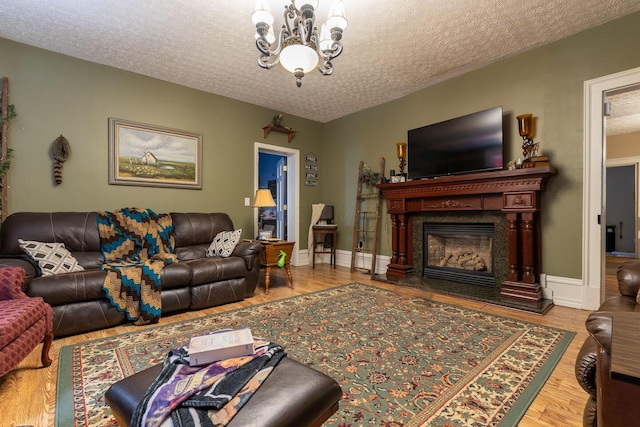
{"x": 220, "y": 345}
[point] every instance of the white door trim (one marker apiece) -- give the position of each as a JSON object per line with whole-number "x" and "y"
{"x": 593, "y": 234}
{"x": 293, "y": 190}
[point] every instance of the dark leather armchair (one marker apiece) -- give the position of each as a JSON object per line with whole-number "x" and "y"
{"x": 611, "y": 402}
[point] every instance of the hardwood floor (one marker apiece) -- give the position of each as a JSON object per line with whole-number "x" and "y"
{"x": 27, "y": 394}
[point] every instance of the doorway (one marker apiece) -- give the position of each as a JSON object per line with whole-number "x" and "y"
{"x": 277, "y": 168}
{"x": 594, "y": 186}
{"x": 621, "y": 211}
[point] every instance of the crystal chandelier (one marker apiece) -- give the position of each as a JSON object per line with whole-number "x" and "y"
{"x": 299, "y": 48}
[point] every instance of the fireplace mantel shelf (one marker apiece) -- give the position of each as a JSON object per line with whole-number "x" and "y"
{"x": 514, "y": 192}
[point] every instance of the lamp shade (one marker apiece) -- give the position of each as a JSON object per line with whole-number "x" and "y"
{"x": 262, "y": 13}
{"x": 336, "y": 16}
{"x": 263, "y": 199}
{"x": 298, "y": 56}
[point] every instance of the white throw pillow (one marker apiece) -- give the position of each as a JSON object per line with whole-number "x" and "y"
{"x": 224, "y": 243}
{"x": 53, "y": 258}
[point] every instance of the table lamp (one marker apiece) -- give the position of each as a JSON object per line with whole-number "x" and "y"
{"x": 262, "y": 200}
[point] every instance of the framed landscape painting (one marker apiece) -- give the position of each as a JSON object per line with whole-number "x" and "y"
{"x": 154, "y": 156}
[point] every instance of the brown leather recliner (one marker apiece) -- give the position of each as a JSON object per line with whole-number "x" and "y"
{"x": 78, "y": 301}
{"x": 611, "y": 402}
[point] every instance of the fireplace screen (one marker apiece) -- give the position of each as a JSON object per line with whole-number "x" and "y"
{"x": 459, "y": 252}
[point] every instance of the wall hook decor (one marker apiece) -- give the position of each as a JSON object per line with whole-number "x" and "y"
{"x": 61, "y": 152}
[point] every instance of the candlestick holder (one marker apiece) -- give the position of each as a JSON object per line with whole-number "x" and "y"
{"x": 401, "y": 148}
{"x": 529, "y": 148}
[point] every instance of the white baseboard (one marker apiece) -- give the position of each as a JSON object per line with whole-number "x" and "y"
{"x": 363, "y": 261}
{"x": 563, "y": 291}
{"x": 343, "y": 259}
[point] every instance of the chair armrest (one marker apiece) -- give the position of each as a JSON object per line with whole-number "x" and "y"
{"x": 11, "y": 280}
{"x": 585, "y": 368}
{"x": 29, "y": 267}
{"x": 599, "y": 326}
{"x": 628, "y": 275}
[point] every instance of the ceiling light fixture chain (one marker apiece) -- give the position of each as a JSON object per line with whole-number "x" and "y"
{"x": 299, "y": 48}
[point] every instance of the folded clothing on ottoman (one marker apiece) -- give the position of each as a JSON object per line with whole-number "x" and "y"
{"x": 293, "y": 395}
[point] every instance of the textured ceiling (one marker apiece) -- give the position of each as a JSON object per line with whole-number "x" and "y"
{"x": 625, "y": 111}
{"x": 391, "y": 48}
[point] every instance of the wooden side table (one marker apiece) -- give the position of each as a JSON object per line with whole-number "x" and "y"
{"x": 270, "y": 256}
{"x": 625, "y": 347}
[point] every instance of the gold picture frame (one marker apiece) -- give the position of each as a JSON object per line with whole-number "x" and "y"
{"x": 154, "y": 156}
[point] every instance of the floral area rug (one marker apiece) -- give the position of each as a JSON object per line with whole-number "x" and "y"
{"x": 400, "y": 361}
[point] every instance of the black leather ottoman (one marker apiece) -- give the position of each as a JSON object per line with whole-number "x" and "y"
{"x": 293, "y": 395}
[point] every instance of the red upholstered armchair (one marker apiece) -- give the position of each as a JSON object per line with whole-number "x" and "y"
{"x": 24, "y": 321}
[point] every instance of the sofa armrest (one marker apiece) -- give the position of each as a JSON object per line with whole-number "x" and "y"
{"x": 250, "y": 251}
{"x": 628, "y": 276}
{"x": 585, "y": 368}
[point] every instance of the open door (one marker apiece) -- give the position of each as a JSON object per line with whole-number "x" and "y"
{"x": 281, "y": 201}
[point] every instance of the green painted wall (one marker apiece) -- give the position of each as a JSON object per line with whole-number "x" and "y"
{"x": 54, "y": 94}
{"x": 547, "y": 82}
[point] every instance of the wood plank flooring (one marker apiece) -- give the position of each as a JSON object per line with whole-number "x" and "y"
{"x": 27, "y": 394}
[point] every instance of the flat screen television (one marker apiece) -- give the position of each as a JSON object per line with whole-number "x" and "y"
{"x": 466, "y": 144}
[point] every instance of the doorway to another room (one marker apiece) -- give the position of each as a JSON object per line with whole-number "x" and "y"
{"x": 277, "y": 169}
{"x": 611, "y": 101}
{"x": 621, "y": 211}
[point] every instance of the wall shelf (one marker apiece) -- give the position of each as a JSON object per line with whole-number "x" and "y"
{"x": 290, "y": 133}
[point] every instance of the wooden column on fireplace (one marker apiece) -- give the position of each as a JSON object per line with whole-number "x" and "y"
{"x": 514, "y": 192}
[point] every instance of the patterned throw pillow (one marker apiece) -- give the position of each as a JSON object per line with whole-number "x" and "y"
{"x": 11, "y": 280}
{"x": 224, "y": 243}
{"x": 53, "y": 258}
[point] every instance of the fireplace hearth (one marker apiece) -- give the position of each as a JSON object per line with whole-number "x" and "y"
{"x": 513, "y": 195}
{"x": 459, "y": 253}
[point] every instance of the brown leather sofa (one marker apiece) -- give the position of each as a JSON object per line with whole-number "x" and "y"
{"x": 78, "y": 301}
{"x": 611, "y": 402}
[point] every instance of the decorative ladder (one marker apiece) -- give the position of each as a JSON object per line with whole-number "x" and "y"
{"x": 367, "y": 219}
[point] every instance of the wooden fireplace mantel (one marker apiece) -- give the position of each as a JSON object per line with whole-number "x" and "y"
{"x": 514, "y": 192}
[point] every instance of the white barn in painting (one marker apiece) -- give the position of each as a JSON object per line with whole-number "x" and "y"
{"x": 149, "y": 159}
